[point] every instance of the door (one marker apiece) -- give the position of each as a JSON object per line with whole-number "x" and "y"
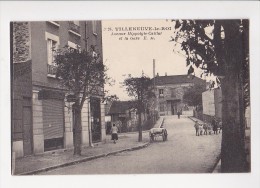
{"x": 95, "y": 119}
{"x": 53, "y": 124}
{"x": 173, "y": 108}
{"x": 27, "y": 130}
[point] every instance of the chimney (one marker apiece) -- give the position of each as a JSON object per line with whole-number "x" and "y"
{"x": 165, "y": 73}
{"x": 157, "y": 74}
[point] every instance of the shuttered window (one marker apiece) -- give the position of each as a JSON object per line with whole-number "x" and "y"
{"x": 53, "y": 118}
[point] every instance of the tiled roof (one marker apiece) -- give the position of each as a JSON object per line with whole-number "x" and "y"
{"x": 177, "y": 79}
{"x": 119, "y": 107}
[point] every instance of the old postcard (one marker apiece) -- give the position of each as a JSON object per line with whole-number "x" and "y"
{"x": 130, "y": 96}
{"x": 97, "y": 93}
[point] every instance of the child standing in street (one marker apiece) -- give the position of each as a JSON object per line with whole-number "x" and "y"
{"x": 114, "y": 131}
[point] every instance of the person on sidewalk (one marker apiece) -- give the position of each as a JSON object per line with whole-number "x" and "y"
{"x": 197, "y": 126}
{"x": 214, "y": 125}
{"x": 114, "y": 131}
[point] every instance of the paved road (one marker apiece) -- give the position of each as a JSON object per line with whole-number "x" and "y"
{"x": 182, "y": 153}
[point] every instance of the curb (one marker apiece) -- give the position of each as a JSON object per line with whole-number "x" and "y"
{"x": 83, "y": 160}
{"x": 191, "y": 118}
{"x": 215, "y": 165}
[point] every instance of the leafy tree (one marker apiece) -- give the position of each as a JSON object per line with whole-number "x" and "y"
{"x": 110, "y": 98}
{"x": 139, "y": 88}
{"x": 83, "y": 75}
{"x": 193, "y": 95}
{"x": 221, "y": 48}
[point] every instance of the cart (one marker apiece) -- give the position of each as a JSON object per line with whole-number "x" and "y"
{"x": 157, "y": 132}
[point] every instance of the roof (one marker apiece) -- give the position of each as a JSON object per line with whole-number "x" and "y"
{"x": 177, "y": 79}
{"x": 120, "y": 107}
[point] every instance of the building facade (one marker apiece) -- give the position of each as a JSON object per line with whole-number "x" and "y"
{"x": 42, "y": 118}
{"x": 169, "y": 91}
{"x": 212, "y": 104}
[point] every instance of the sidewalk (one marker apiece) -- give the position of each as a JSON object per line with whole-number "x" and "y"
{"x": 217, "y": 166}
{"x": 38, "y": 163}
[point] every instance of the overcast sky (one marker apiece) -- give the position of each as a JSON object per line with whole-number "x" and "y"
{"x": 132, "y": 56}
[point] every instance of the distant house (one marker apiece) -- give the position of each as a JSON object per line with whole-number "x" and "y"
{"x": 123, "y": 114}
{"x": 169, "y": 91}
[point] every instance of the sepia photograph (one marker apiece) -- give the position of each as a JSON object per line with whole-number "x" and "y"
{"x": 157, "y": 97}
{"x": 110, "y": 96}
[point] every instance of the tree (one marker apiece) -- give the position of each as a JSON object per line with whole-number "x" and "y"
{"x": 139, "y": 88}
{"x": 193, "y": 95}
{"x": 83, "y": 75}
{"x": 221, "y": 48}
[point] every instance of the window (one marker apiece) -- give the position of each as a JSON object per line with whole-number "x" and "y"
{"x": 74, "y": 28}
{"x": 94, "y": 27}
{"x": 161, "y": 93}
{"x": 52, "y": 44}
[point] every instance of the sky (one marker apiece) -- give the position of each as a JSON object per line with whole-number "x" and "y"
{"x": 132, "y": 56}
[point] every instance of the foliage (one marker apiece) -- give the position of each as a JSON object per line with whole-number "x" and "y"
{"x": 110, "y": 98}
{"x": 83, "y": 75}
{"x": 80, "y": 72}
{"x": 208, "y": 43}
{"x": 193, "y": 95}
{"x": 221, "y": 48}
{"x": 139, "y": 88}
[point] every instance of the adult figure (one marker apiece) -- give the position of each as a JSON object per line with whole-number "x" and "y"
{"x": 205, "y": 127}
{"x": 214, "y": 125}
{"x": 114, "y": 131}
{"x": 197, "y": 126}
{"x": 219, "y": 126}
{"x": 179, "y": 114}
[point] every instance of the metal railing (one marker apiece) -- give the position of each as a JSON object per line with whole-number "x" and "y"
{"x": 51, "y": 69}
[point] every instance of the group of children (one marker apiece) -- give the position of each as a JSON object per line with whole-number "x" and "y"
{"x": 207, "y": 128}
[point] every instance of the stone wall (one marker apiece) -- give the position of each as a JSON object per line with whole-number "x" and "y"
{"x": 22, "y": 89}
{"x": 21, "y": 42}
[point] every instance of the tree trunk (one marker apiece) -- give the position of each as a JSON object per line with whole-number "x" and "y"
{"x": 233, "y": 158}
{"x": 77, "y": 130}
{"x": 139, "y": 110}
{"x": 140, "y": 127}
{"x": 232, "y": 147}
